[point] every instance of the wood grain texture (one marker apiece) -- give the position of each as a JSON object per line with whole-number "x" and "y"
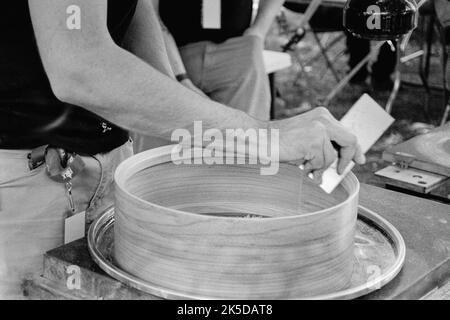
{"x": 228, "y": 232}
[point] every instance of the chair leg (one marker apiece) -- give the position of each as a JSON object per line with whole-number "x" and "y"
{"x": 350, "y": 75}
{"x": 446, "y": 114}
{"x": 424, "y": 64}
{"x": 397, "y": 80}
{"x": 429, "y": 40}
{"x": 325, "y": 55}
{"x": 444, "y": 78}
{"x": 328, "y": 47}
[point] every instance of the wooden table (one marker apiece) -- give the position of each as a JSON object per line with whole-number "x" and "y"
{"x": 424, "y": 224}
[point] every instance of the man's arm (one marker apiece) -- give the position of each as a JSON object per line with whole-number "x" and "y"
{"x": 267, "y": 11}
{"x": 173, "y": 53}
{"x": 177, "y": 62}
{"x": 86, "y": 68}
{"x": 167, "y": 40}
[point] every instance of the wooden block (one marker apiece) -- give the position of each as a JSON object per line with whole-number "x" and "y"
{"x": 94, "y": 283}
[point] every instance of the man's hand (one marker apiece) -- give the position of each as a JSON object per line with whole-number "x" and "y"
{"x": 307, "y": 139}
{"x": 86, "y": 68}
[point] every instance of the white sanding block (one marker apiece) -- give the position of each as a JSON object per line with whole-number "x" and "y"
{"x": 367, "y": 120}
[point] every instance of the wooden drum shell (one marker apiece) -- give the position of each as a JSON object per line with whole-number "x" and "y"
{"x": 287, "y": 255}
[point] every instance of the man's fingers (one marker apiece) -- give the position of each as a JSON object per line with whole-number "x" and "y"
{"x": 359, "y": 156}
{"x": 350, "y": 148}
{"x": 346, "y": 155}
{"x": 322, "y": 159}
{"x": 341, "y": 135}
{"x": 330, "y": 154}
{"x": 316, "y": 176}
{"x": 317, "y": 162}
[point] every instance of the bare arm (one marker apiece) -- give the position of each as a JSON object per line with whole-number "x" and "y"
{"x": 176, "y": 61}
{"x": 169, "y": 42}
{"x": 151, "y": 41}
{"x": 87, "y": 68}
{"x": 174, "y": 55}
{"x": 267, "y": 11}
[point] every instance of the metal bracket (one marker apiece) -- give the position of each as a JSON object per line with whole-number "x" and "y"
{"x": 411, "y": 179}
{"x": 403, "y": 160}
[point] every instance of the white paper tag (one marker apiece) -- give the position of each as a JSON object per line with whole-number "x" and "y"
{"x": 74, "y": 227}
{"x": 212, "y": 14}
{"x": 367, "y": 120}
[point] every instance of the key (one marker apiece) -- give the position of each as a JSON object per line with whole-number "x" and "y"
{"x": 70, "y": 197}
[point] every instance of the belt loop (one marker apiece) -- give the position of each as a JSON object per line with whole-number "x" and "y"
{"x": 36, "y": 157}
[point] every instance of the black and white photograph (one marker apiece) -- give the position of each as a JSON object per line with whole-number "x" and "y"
{"x": 223, "y": 155}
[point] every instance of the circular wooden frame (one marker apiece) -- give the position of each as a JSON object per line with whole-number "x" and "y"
{"x": 176, "y": 235}
{"x": 383, "y": 239}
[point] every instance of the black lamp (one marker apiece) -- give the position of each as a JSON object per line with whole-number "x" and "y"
{"x": 380, "y": 19}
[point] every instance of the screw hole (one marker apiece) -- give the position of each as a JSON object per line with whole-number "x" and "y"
{"x": 422, "y": 182}
{"x": 417, "y": 176}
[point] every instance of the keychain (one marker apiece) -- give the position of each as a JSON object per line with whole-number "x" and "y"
{"x": 62, "y": 167}
{"x": 69, "y": 195}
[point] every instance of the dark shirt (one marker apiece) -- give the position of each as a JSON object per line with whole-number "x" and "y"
{"x": 184, "y": 20}
{"x": 30, "y": 114}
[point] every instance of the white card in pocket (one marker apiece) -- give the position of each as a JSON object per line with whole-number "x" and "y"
{"x": 75, "y": 227}
{"x": 212, "y": 14}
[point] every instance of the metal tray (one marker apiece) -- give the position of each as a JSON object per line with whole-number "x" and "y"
{"x": 379, "y": 256}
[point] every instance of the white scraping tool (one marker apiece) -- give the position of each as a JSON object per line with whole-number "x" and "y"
{"x": 367, "y": 120}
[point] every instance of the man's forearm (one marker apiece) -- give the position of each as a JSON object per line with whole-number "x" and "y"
{"x": 267, "y": 11}
{"x": 134, "y": 90}
{"x": 128, "y": 92}
{"x": 172, "y": 50}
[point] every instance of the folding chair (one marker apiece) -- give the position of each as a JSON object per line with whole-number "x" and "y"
{"x": 445, "y": 43}
{"x": 428, "y": 12}
{"x": 316, "y": 29}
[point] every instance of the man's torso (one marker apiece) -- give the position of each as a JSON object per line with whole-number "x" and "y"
{"x": 30, "y": 114}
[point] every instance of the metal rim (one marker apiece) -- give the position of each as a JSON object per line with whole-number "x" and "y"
{"x": 106, "y": 220}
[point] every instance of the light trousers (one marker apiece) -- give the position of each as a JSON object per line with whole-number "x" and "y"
{"x": 232, "y": 73}
{"x": 33, "y": 209}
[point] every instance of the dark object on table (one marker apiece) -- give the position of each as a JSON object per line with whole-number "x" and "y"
{"x": 328, "y": 18}
{"x": 379, "y": 19}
